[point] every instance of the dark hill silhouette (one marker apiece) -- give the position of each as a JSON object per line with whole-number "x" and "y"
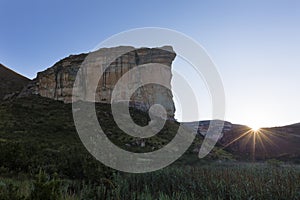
{"x": 280, "y": 143}
{"x": 10, "y": 81}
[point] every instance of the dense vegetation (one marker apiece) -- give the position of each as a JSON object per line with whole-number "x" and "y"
{"x": 43, "y": 158}
{"x": 214, "y": 181}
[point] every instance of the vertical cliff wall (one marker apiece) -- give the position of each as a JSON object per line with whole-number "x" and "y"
{"x": 58, "y": 81}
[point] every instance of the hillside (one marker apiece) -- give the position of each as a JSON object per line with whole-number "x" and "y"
{"x": 10, "y": 81}
{"x": 282, "y": 143}
{"x": 37, "y": 132}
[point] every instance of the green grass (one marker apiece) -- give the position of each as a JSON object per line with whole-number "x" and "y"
{"x": 211, "y": 181}
{"x": 42, "y": 157}
{"x": 38, "y": 133}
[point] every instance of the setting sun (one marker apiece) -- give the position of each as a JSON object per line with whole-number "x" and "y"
{"x": 255, "y": 128}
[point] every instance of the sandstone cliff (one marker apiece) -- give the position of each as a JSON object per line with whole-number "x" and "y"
{"x": 57, "y": 82}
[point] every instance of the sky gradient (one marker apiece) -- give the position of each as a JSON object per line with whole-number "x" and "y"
{"x": 254, "y": 44}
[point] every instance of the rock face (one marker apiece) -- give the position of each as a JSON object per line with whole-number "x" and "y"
{"x": 58, "y": 82}
{"x": 11, "y": 83}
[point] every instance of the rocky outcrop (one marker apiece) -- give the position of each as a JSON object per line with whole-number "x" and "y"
{"x": 58, "y": 81}
{"x": 11, "y": 83}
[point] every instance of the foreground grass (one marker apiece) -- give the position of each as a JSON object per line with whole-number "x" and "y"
{"x": 213, "y": 181}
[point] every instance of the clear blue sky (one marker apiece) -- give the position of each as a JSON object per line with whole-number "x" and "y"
{"x": 255, "y": 44}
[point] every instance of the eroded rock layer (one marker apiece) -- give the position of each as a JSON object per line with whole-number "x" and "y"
{"x": 58, "y": 82}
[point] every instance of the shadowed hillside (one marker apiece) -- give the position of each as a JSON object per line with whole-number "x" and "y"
{"x": 37, "y": 132}
{"x": 280, "y": 143}
{"x": 10, "y": 81}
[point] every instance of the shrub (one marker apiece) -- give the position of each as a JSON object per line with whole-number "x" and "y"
{"x": 46, "y": 188}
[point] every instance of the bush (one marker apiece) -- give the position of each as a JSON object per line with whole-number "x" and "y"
{"x": 46, "y": 188}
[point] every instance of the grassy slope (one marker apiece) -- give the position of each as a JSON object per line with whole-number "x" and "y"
{"x": 37, "y": 132}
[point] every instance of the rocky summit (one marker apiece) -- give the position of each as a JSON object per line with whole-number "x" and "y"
{"x": 59, "y": 81}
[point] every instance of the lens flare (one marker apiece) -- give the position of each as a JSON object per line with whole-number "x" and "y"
{"x": 255, "y": 128}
